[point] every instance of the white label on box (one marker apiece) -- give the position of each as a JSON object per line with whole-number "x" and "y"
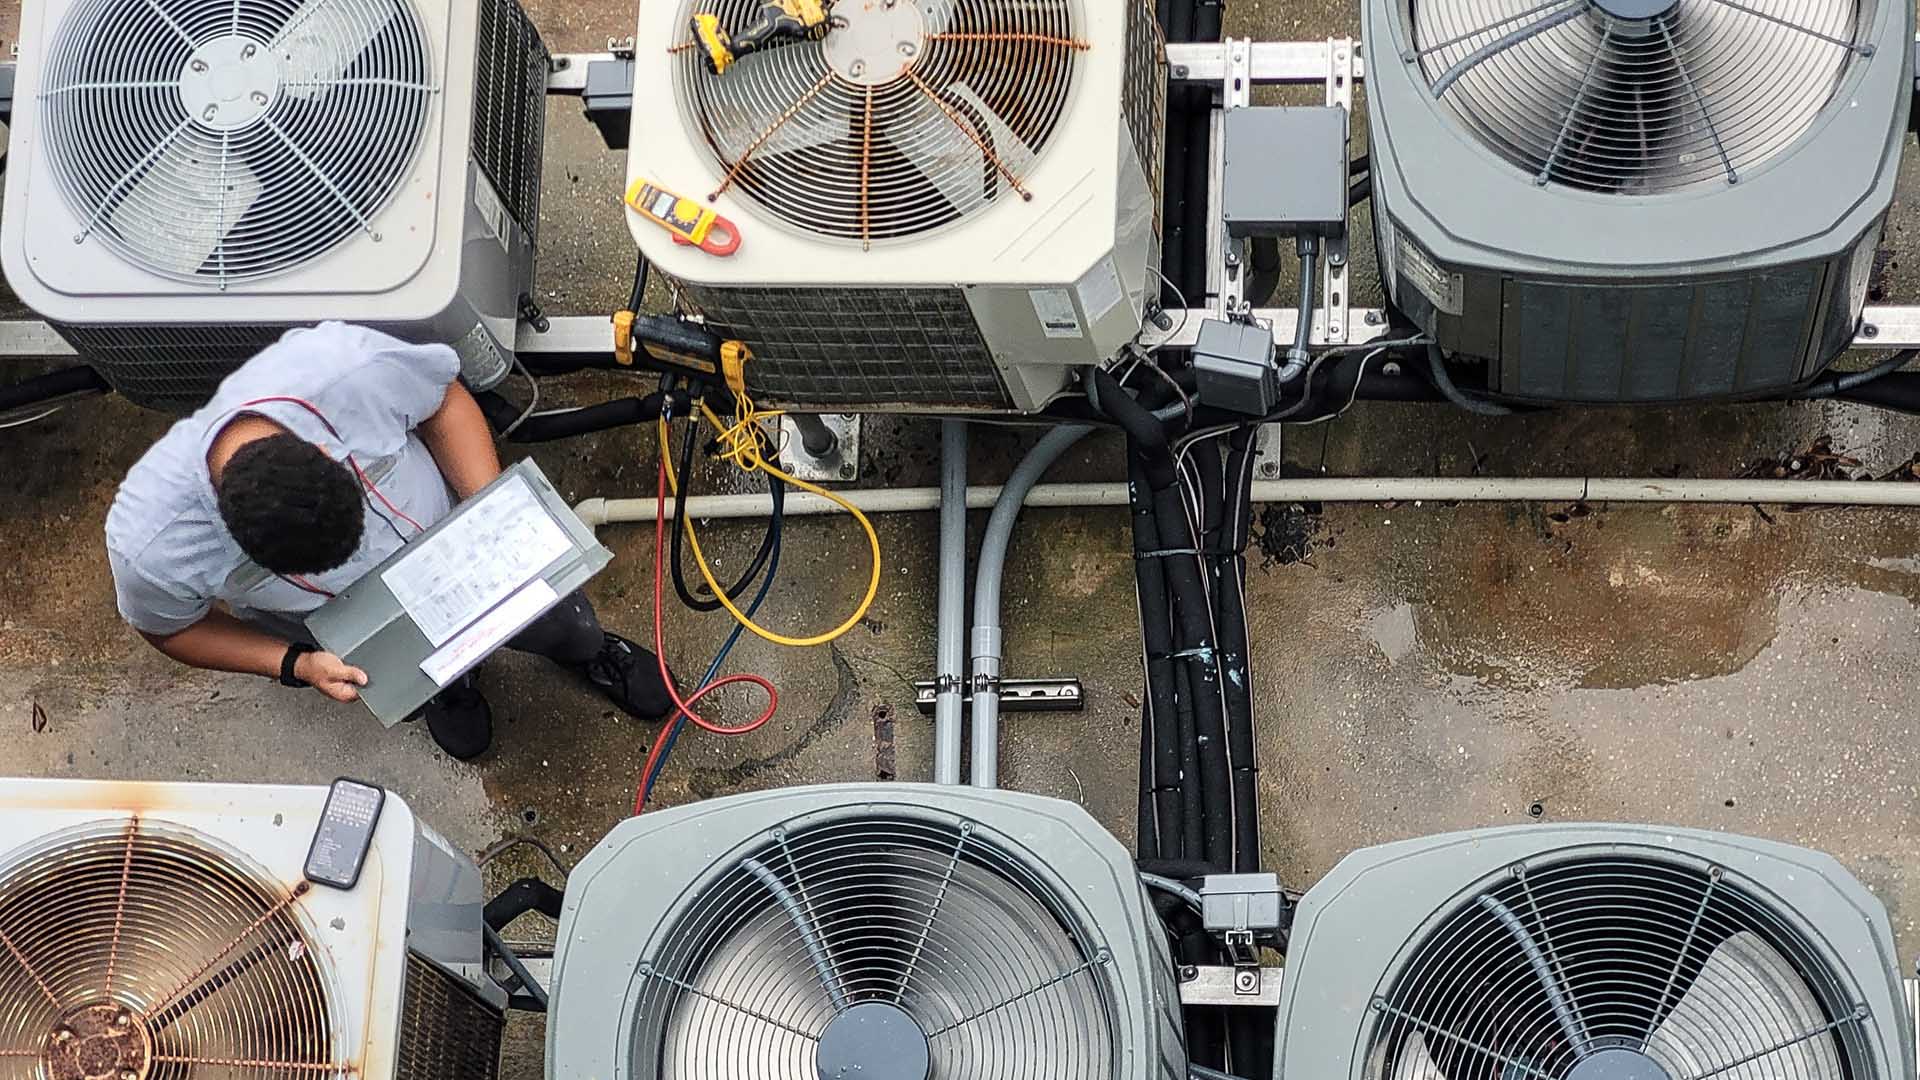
{"x": 1055, "y": 309}
{"x": 489, "y": 633}
{"x": 1442, "y": 288}
{"x": 487, "y": 202}
{"x": 490, "y": 547}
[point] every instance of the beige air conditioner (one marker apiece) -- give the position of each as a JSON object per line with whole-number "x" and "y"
{"x": 941, "y": 204}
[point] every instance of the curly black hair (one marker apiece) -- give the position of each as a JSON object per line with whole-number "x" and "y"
{"x": 291, "y": 508}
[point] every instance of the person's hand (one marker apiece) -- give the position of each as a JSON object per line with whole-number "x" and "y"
{"x": 330, "y": 675}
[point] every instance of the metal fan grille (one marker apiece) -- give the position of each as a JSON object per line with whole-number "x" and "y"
{"x": 129, "y": 950}
{"x": 932, "y": 933}
{"x": 906, "y": 116}
{"x": 1609, "y": 964}
{"x": 1636, "y": 96}
{"x": 219, "y": 141}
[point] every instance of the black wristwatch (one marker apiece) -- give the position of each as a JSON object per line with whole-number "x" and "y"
{"x": 295, "y": 650}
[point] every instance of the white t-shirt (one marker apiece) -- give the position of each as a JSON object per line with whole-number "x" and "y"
{"x": 171, "y": 554}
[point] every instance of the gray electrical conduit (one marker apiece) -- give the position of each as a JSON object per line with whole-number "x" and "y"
{"x": 951, "y": 651}
{"x": 1297, "y": 356}
{"x": 986, "y": 595}
{"x": 597, "y": 512}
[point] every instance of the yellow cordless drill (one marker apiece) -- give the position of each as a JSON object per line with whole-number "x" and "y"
{"x": 779, "y": 21}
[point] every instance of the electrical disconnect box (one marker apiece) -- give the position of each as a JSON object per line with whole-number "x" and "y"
{"x": 1285, "y": 171}
{"x": 1233, "y": 366}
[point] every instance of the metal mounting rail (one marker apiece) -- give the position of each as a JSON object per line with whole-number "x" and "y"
{"x": 1883, "y": 327}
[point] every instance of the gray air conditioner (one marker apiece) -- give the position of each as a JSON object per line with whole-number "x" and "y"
{"x": 188, "y": 178}
{"x": 873, "y": 931}
{"x": 1592, "y": 952}
{"x": 1635, "y": 200}
{"x": 941, "y": 204}
{"x": 154, "y": 931}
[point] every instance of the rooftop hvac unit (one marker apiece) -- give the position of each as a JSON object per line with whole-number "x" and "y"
{"x": 941, "y": 204}
{"x": 188, "y": 178}
{"x": 878, "y": 931}
{"x": 165, "y": 930}
{"x": 1635, "y": 200}
{"x": 1592, "y": 952}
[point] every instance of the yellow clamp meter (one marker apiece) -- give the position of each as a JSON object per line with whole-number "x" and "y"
{"x": 688, "y": 221}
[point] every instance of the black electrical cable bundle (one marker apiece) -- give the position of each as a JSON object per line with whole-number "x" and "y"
{"x": 759, "y": 562}
{"x": 1198, "y": 803}
{"x": 1207, "y": 673}
{"x": 53, "y": 386}
{"x": 1230, "y": 620}
{"x": 568, "y": 423}
{"x": 1220, "y": 490}
{"x": 1177, "y": 629}
{"x": 1161, "y": 834}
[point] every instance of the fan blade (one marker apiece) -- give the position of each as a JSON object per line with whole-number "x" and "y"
{"x": 1005, "y": 143}
{"x": 709, "y": 1037}
{"x": 1747, "y": 998}
{"x": 937, "y": 15}
{"x": 323, "y": 38}
{"x": 1717, "y": 42}
{"x": 178, "y": 207}
{"x": 1491, "y": 47}
{"x": 952, "y": 162}
{"x": 1416, "y": 1062}
{"x": 924, "y": 139}
{"x": 749, "y": 100}
{"x": 973, "y": 995}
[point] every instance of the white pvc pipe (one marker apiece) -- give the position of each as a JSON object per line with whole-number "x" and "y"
{"x": 597, "y": 512}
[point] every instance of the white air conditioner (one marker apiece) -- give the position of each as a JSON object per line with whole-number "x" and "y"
{"x": 188, "y": 178}
{"x": 940, "y": 204}
{"x": 166, "y": 930}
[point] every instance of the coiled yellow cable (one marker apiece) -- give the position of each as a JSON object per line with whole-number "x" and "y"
{"x": 741, "y": 444}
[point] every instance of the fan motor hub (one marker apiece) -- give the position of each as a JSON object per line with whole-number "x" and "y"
{"x": 875, "y": 1041}
{"x": 1636, "y": 17}
{"x": 229, "y": 82}
{"x": 1617, "y": 1064}
{"x": 101, "y": 1041}
{"x": 874, "y": 42}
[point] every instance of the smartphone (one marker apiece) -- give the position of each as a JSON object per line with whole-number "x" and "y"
{"x": 340, "y": 844}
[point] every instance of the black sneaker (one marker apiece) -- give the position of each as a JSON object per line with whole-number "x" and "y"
{"x": 630, "y": 677}
{"x": 460, "y": 720}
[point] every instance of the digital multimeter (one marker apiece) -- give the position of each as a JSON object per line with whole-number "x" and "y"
{"x": 688, "y": 221}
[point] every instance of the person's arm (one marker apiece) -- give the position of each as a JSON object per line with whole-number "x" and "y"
{"x": 461, "y": 443}
{"x": 220, "y": 642}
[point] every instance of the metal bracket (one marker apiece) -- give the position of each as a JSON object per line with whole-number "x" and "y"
{"x": 1227, "y": 258}
{"x": 1016, "y": 695}
{"x": 1245, "y": 956}
{"x": 1219, "y": 984}
{"x": 567, "y": 72}
{"x": 840, "y": 463}
{"x": 1335, "y": 296}
{"x": 537, "y": 959}
{"x": 1268, "y": 449}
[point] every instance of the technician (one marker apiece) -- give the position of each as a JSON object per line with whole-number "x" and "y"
{"x": 314, "y": 461}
